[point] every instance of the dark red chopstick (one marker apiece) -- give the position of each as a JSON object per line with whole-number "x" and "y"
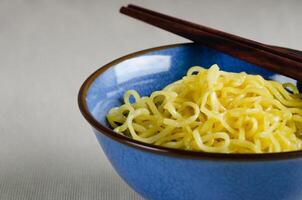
{"x": 253, "y": 52}
{"x": 276, "y": 50}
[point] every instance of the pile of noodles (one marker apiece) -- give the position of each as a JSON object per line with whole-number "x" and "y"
{"x": 215, "y": 111}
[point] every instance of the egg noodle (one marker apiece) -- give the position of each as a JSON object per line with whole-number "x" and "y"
{"x": 215, "y": 111}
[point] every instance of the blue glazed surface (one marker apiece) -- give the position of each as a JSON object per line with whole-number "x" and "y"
{"x": 156, "y": 176}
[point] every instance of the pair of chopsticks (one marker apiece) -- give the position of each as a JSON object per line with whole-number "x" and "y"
{"x": 272, "y": 58}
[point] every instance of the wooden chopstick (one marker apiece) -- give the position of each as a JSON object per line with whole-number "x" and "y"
{"x": 276, "y": 50}
{"x": 282, "y": 63}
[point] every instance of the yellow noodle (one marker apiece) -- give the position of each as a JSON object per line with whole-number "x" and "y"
{"x": 215, "y": 111}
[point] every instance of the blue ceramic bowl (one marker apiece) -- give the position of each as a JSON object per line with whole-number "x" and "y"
{"x": 162, "y": 173}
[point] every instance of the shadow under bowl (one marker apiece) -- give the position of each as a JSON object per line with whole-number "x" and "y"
{"x": 162, "y": 173}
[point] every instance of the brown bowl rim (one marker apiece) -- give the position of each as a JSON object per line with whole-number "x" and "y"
{"x": 159, "y": 149}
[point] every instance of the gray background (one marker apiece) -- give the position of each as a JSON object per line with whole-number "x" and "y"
{"x": 48, "y": 48}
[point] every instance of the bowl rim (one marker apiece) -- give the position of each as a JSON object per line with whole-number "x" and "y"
{"x": 159, "y": 149}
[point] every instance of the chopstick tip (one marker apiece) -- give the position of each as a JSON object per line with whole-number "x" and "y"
{"x": 122, "y": 9}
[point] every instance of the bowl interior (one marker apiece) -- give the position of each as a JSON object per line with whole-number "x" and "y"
{"x": 153, "y": 69}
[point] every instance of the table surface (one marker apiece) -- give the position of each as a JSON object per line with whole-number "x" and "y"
{"x": 48, "y": 48}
